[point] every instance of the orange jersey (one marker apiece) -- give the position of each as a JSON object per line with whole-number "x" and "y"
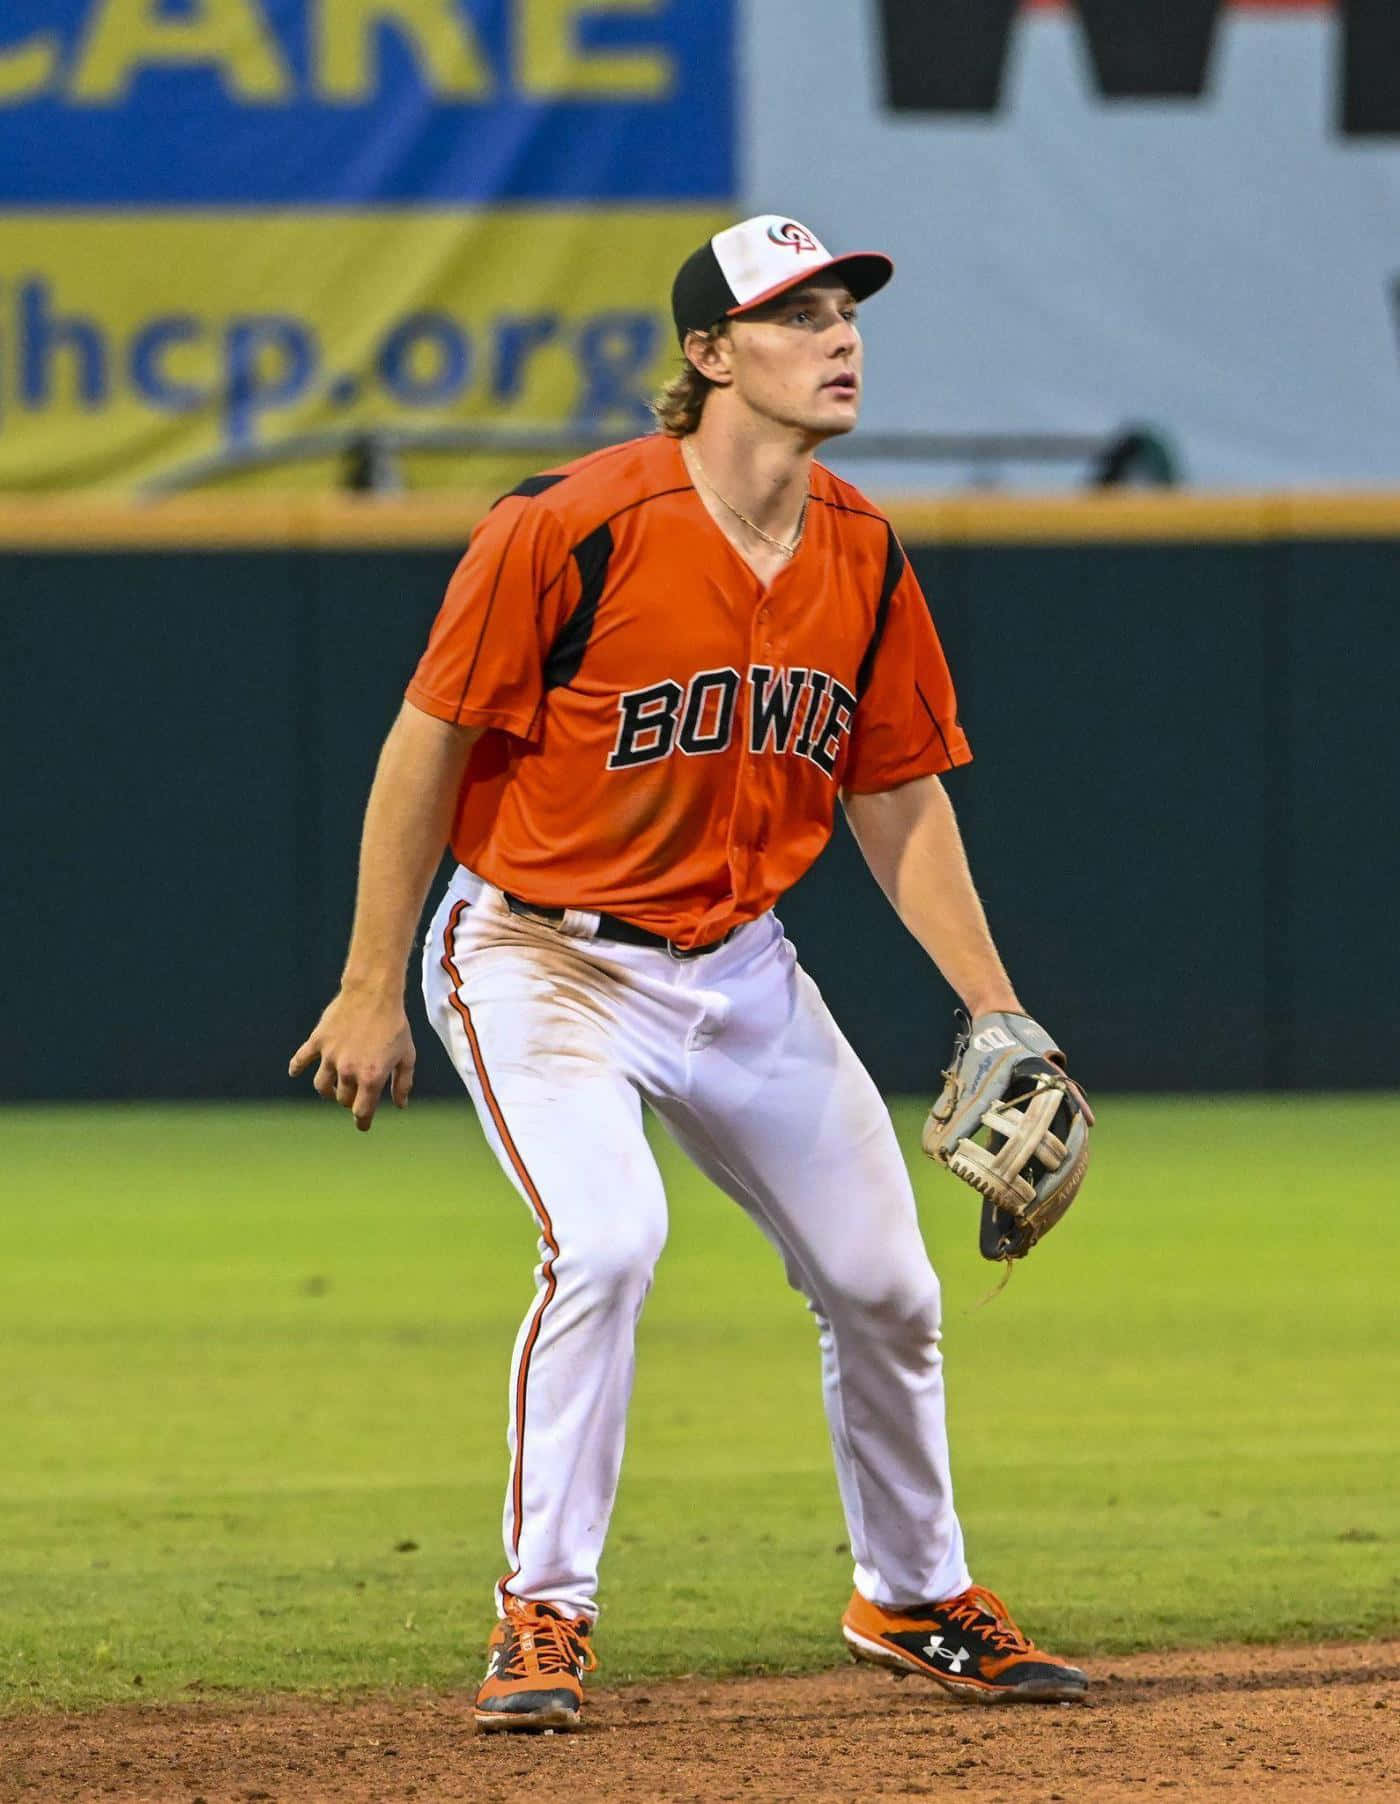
{"x": 667, "y": 738}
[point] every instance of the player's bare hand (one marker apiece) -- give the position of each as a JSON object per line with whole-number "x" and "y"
{"x": 360, "y": 1044}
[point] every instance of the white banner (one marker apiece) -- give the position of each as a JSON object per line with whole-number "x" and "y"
{"x": 1221, "y": 264}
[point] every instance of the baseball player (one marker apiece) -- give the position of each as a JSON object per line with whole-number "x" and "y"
{"x": 653, "y": 674}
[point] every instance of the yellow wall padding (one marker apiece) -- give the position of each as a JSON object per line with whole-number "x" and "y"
{"x": 348, "y": 522}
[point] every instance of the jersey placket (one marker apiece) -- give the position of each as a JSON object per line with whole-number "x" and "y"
{"x": 748, "y": 821}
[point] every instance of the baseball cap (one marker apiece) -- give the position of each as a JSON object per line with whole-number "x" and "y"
{"x": 757, "y": 260}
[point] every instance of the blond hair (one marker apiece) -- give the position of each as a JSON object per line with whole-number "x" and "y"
{"x": 678, "y": 404}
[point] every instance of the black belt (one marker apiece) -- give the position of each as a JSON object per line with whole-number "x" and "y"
{"x": 611, "y": 928}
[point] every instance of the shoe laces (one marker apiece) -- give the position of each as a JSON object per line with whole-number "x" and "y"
{"x": 971, "y": 1609}
{"x": 541, "y": 1642}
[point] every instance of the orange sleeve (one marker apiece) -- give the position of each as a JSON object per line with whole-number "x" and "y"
{"x": 906, "y": 719}
{"x": 507, "y": 600}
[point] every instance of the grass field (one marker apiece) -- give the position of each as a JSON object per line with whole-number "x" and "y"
{"x": 253, "y": 1369}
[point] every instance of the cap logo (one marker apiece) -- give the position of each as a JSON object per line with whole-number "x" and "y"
{"x": 795, "y": 237}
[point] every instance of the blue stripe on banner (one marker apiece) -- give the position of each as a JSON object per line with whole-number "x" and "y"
{"x": 130, "y": 103}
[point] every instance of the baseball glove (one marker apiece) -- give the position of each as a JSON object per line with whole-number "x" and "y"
{"x": 1012, "y": 1123}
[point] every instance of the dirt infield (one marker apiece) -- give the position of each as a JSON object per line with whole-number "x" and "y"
{"x": 1232, "y": 1723}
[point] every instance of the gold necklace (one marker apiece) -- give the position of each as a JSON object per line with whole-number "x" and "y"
{"x": 767, "y": 537}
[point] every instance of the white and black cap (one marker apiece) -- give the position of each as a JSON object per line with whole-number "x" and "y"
{"x": 757, "y": 260}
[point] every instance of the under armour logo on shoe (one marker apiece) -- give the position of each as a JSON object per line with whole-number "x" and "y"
{"x": 935, "y": 1650}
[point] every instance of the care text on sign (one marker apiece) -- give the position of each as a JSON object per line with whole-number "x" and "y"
{"x": 280, "y": 102}
{"x": 245, "y": 45}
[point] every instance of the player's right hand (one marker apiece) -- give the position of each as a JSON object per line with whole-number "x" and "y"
{"x": 363, "y": 1043}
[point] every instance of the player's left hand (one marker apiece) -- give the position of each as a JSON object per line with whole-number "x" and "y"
{"x": 1012, "y": 1123}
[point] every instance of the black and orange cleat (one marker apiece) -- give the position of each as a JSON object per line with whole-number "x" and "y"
{"x": 536, "y": 1659}
{"x": 969, "y": 1645}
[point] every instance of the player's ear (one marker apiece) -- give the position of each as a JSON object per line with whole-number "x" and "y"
{"x": 710, "y": 352}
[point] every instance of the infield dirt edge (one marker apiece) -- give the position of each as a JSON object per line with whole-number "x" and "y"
{"x": 1288, "y": 1721}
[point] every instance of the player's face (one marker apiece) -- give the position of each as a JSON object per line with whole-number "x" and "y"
{"x": 797, "y": 362}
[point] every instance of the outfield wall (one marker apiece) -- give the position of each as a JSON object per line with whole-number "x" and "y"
{"x": 1182, "y": 812}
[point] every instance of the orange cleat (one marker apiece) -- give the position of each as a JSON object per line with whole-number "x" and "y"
{"x": 968, "y": 1645}
{"x": 536, "y": 1659}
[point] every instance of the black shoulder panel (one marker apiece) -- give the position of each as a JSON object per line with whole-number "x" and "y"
{"x": 566, "y": 654}
{"x": 894, "y": 569}
{"x": 532, "y": 485}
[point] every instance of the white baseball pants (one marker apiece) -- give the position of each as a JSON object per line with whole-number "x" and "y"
{"x": 559, "y": 1037}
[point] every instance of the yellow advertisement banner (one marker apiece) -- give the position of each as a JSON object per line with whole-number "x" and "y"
{"x": 150, "y": 349}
